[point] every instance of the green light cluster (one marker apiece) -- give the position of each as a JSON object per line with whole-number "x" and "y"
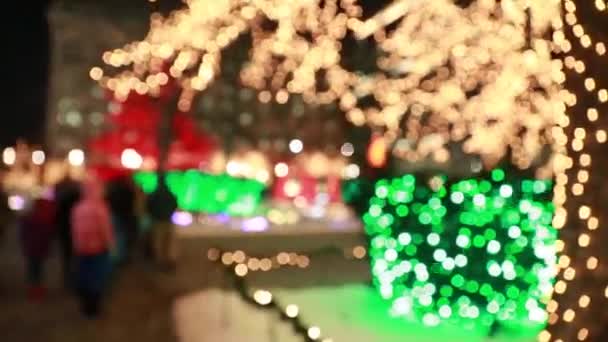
{"x": 474, "y": 251}
{"x": 212, "y": 194}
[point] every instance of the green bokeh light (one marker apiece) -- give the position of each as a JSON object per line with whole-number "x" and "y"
{"x": 472, "y": 251}
{"x": 212, "y": 194}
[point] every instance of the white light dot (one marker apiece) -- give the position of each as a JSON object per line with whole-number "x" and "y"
{"x": 233, "y": 168}
{"x": 445, "y": 311}
{"x": 462, "y": 241}
{"x": 16, "y": 202}
{"x": 493, "y": 307}
{"x": 262, "y": 297}
{"x": 296, "y": 146}
{"x": 9, "y": 156}
{"x": 281, "y": 170}
{"x": 514, "y": 232}
{"x": 433, "y": 239}
{"x": 439, "y": 255}
{"x": 390, "y": 255}
{"x": 292, "y": 311}
{"x": 425, "y": 300}
{"x": 314, "y": 333}
{"x": 405, "y": 239}
{"x": 461, "y": 260}
{"x": 493, "y": 247}
{"x": 347, "y": 149}
{"x": 506, "y": 191}
{"x": 479, "y": 200}
{"x": 130, "y": 159}
{"x": 457, "y": 197}
{"x": 351, "y": 171}
{"x": 494, "y": 270}
{"x": 38, "y": 157}
{"x": 448, "y": 264}
{"x": 76, "y": 157}
{"x": 402, "y": 306}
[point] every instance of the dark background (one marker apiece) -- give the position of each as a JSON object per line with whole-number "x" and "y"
{"x": 27, "y": 73}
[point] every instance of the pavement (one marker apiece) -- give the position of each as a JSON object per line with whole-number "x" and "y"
{"x": 138, "y": 307}
{"x": 198, "y": 302}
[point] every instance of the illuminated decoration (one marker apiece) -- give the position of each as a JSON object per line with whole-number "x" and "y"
{"x": 16, "y": 202}
{"x": 38, "y": 157}
{"x": 132, "y": 142}
{"x": 444, "y": 73}
{"x": 9, "y": 156}
{"x": 296, "y": 146}
{"x": 471, "y": 252}
{"x": 76, "y": 157}
{"x": 199, "y": 192}
{"x": 250, "y": 165}
{"x": 577, "y": 194}
{"x": 376, "y": 152}
{"x": 242, "y": 264}
{"x": 130, "y": 159}
{"x": 255, "y": 264}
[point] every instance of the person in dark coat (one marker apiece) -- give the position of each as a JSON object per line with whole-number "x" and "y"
{"x": 67, "y": 194}
{"x": 161, "y": 205}
{"x": 5, "y": 213}
{"x": 36, "y": 228}
{"x": 120, "y": 196}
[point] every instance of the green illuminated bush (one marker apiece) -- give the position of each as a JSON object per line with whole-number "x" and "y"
{"x": 200, "y": 192}
{"x": 467, "y": 252}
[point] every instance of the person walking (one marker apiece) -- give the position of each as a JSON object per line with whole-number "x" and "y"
{"x": 67, "y": 194}
{"x": 121, "y": 200}
{"x": 36, "y": 228}
{"x": 93, "y": 239}
{"x": 161, "y": 205}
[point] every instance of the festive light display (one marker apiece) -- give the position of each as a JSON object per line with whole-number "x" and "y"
{"x": 470, "y": 74}
{"x": 461, "y": 76}
{"x": 376, "y": 152}
{"x": 580, "y": 290}
{"x": 241, "y": 264}
{"x": 475, "y": 251}
{"x": 199, "y": 192}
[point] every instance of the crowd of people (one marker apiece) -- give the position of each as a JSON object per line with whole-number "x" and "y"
{"x": 99, "y": 227}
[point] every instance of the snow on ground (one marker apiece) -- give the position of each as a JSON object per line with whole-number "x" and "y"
{"x": 350, "y": 313}
{"x": 216, "y": 315}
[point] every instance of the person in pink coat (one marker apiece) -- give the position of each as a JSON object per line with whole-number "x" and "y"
{"x": 93, "y": 240}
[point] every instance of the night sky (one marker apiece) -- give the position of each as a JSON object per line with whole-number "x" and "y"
{"x": 27, "y": 73}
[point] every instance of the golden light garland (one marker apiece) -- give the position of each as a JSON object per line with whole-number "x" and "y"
{"x": 244, "y": 263}
{"x": 577, "y": 165}
{"x": 445, "y": 74}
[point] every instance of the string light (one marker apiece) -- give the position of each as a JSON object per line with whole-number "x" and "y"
{"x": 420, "y": 281}
{"x": 486, "y": 68}
{"x": 455, "y": 100}
{"x": 579, "y": 152}
{"x": 265, "y": 298}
